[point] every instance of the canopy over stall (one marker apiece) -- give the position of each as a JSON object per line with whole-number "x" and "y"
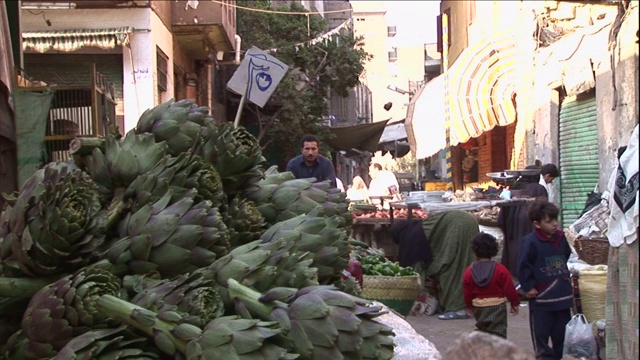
{"x": 482, "y": 92}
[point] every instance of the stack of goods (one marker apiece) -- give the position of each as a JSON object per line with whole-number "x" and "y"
{"x": 175, "y": 242}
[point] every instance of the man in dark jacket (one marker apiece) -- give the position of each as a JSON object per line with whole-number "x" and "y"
{"x": 310, "y": 163}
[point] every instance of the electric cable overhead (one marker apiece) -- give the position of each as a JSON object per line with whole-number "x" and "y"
{"x": 281, "y": 12}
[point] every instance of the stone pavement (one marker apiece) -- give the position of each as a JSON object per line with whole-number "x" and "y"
{"x": 443, "y": 333}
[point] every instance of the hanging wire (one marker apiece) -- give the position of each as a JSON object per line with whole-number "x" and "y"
{"x": 282, "y": 12}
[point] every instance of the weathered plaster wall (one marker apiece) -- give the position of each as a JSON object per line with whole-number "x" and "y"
{"x": 618, "y": 107}
{"x": 616, "y": 90}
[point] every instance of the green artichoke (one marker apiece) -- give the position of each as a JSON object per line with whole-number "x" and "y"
{"x": 122, "y": 161}
{"x": 108, "y": 344}
{"x": 188, "y": 171}
{"x": 236, "y": 154}
{"x": 54, "y": 226}
{"x": 263, "y": 266}
{"x": 320, "y": 322}
{"x": 170, "y": 238}
{"x": 320, "y": 236}
{"x": 244, "y": 221}
{"x": 191, "y": 296}
{"x": 181, "y": 124}
{"x": 63, "y": 310}
{"x": 227, "y": 337}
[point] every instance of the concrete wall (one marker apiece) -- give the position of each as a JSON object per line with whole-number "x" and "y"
{"x": 616, "y": 87}
{"x": 140, "y": 85}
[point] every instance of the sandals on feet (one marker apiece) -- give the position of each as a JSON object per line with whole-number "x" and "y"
{"x": 453, "y": 315}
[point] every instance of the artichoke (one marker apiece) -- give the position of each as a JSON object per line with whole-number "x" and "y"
{"x": 122, "y": 161}
{"x": 188, "y": 171}
{"x": 320, "y": 236}
{"x": 279, "y": 197}
{"x": 170, "y": 238}
{"x": 244, "y": 221}
{"x": 320, "y": 322}
{"x": 63, "y": 310}
{"x": 181, "y": 124}
{"x": 263, "y": 266}
{"x": 236, "y": 154}
{"x": 108, "y": 344}
{"x": 55, "y": 225}
{"x": 227, "y": 337}
{"x": 191, "y": 296}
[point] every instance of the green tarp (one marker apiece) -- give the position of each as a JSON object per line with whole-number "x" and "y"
{"x": 363, "y": 137}
{"x": 31, "y": 111}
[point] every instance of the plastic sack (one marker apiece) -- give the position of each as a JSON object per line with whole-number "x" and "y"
{"x": 579, "y": 342}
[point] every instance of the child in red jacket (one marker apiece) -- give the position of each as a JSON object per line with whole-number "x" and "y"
{"x": 487, "y": 287}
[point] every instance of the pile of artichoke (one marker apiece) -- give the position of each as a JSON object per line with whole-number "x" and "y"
{"x": 177, "y": 241}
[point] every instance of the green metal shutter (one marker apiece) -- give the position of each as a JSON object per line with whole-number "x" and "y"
{"x": 579, "y": 162}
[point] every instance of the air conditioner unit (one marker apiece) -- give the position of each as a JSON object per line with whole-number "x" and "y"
{"x": 391, "y": 31}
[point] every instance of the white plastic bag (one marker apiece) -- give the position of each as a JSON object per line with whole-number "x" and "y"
{"x": 579, "y": 342}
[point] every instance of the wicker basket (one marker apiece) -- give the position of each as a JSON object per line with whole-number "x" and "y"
{"x": 397, "y": 292}
{"x": 593, "y": 251}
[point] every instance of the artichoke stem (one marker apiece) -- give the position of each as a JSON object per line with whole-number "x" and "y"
{"x": 250, "y": 298}
{"x": 116, "y": 208}
{"x": 24, "y": 287}
{"x": 125, "y": 312}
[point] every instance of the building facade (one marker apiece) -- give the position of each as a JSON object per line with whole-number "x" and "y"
{"x": 152, "y": 51}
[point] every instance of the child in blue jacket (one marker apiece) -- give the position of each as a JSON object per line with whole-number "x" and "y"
{"x": 544, "y": 277}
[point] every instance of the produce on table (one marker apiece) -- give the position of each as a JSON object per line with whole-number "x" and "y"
{"x": 133, "y": 250}
{"x": 397, "y": 214}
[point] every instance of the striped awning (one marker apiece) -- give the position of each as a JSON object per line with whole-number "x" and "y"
{"x": 482, "y": 84}
{"x": 72, "y": 40}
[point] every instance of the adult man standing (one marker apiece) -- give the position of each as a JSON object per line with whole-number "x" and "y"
{"x": 548, "y": 173}
{"x": 310, "y": 163}
{"x": 383, "y": 183}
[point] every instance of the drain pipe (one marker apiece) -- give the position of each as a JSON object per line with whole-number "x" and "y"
{"x": 238, "y": 43}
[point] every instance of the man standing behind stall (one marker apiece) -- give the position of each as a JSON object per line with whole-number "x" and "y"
{"x": 548, "y": 173}
{"x": 310, "y": 163}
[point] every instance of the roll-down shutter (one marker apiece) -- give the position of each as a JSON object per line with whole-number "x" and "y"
{"x": 579, "y": 162}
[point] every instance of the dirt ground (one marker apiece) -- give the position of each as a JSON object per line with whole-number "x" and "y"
{"x": 443, "y": 333}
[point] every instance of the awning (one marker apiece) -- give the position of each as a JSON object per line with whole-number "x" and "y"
{"x": 425, "y": 122}
{"x": 482, "y": 84}
{"x": 393, "y": 132}
{"x": 72, "y": 40}
{"x": 363, "y": 137}
{"x": 394, "y": 139}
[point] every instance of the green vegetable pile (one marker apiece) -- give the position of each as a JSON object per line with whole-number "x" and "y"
{"x": 177, "y": 242}
{"x": 378, "y": 265}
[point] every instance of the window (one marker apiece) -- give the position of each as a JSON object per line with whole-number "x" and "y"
{"x": 162, "y": 69}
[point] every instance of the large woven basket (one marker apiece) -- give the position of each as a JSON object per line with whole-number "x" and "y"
{"x": 397, "y": 292}
{"x": 593, "y": 251}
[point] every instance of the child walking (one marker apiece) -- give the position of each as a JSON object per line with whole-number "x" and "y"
{"x": 488, "y": 287}
{"x": 544, "y": 277}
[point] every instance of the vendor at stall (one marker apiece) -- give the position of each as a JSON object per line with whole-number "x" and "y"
{"x": 514, "y": 221}
{"x": 440, "y": 247}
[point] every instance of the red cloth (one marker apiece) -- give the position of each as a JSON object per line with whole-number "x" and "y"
{"x": 501, "y": 285}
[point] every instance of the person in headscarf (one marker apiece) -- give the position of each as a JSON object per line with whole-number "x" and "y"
{"x": 442, "y": 250}
{"x": 514, "y": 221}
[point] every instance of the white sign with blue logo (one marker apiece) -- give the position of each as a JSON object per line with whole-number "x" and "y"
{"x": 258, "y": 74}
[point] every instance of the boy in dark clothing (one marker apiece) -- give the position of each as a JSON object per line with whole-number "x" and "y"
{"x": 544, "y": 277}
{"x": 487, "y": 287}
